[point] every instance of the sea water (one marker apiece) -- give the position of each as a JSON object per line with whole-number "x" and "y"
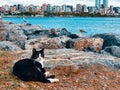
{"x": 92, "y": 25}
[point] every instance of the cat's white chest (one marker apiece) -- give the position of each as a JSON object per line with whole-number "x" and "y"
{"x": 41, "y": 61}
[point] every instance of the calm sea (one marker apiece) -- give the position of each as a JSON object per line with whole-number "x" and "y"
{"x": 74, "y": 24}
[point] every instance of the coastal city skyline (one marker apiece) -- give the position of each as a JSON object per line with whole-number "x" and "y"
{"x": 57, "y": 2}
{"x": 101, "y": 7}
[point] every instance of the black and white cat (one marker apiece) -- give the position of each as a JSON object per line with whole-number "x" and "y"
{"x": 32, "y": 69}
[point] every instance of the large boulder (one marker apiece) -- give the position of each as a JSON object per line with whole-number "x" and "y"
{"x": 113, "y": 50}
{"x": 2, "y": 32}
{"x": 48, "y": 43}
{"x": 70, "y": 44}
{"x": 109, "y": 39}
{"x": 18, "y": 32}
{"x": 13, "y": 33}
{"x": 63, "y": 31}
{"x": 38, "y": 34}
{"x": 9, "y": 46}
{"x": 34, "y": 31}
{"x": 29, "y": 29}
{"x": 94, "y": 44}
{"x": 20, "y": 43}
{"x": 4, "y": 36}
{"x": 63, "y": 40}
{"x": 73, "y": 36}
{"x": 59, "y": 32}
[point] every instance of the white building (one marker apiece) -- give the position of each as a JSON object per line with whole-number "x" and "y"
{"x": 56, "y": 9}
{"x": 6, "y": 7}
{"x": 84, "y": 8}
{"x": 111, "y": 10}
{"x": 78, "y": 7}
{"x": 49, "y": 8}
{"x": 64, "y": 8}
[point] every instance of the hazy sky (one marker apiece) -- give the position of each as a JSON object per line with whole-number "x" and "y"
{"x": 56, "y": 2}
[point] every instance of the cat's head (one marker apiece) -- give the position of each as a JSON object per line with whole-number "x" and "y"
{"x": 37, "y": 54}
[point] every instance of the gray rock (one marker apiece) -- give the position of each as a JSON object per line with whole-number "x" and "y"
{"x": 15, "y": 35}
{"x": 63, "y": 31}
{"x": 73, "y": 36}
{"x": 110, "y": 39}
{"x": 9, "y": 46}
{"x": 70, "y": 44}
{"x": 17, "y": 32}
{"x": 114, "y": 50}
{"x": 63, "y": 40}
{"x": 59, "y": 32}
{"x": 104, "y": 52}
{"x": 48, "y": 43}
{"x": 20, "y": 44}
{"x": 4, "y": 36}
{"x": 27, "y": 29}
{"x": 38, "y": 34}
{"x": 91, "y": 48}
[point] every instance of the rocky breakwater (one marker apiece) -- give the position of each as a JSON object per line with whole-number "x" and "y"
{"x": 24, "y": 36}
{"x": 16, "y": 37}
{"x": 17, "y": 34}
{"x": 48, "y": 43}
{"x": 111, "y": 43}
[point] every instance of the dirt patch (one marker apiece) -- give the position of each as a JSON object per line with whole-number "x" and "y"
{"x": 81, "y": 77}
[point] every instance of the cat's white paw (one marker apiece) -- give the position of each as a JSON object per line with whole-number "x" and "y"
{"x": 47, "y": 74}
{"x": 53, "y": 80}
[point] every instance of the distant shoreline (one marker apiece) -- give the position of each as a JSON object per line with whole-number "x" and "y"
{"x": 19, "y": 16}
{"x": 59, "y": 16}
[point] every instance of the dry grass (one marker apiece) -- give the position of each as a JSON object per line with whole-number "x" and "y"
{"x": 93, "y": 77}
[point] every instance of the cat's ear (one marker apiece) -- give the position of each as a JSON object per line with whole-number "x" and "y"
{"x": 34, "y": 50}
{"x": 42, "y": 50}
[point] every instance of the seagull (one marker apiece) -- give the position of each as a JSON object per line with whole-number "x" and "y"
{"x": 24, "y": 20}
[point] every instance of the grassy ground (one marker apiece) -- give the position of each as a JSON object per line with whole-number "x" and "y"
{"x": 93, "y": 77}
